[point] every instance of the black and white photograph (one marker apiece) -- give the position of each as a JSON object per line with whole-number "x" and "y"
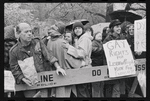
{"x": 75, "y": 50}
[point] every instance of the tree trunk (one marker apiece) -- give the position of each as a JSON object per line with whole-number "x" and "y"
{"x": 109, "y": 9}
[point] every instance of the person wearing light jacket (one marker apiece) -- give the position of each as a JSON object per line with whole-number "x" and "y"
{"x": 82, "y": 50}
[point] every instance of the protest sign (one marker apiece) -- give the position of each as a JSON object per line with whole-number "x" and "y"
{"x": 9, "y": 81}
{"x": 140, "y": 35}
{"x": 99, "y": 27}
{"x": 119, "y": 58}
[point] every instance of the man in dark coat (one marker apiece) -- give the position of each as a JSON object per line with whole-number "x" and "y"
{"x": 24, "y": 49}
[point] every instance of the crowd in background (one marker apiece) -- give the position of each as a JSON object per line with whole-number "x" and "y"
{"x": 62, "y": 49}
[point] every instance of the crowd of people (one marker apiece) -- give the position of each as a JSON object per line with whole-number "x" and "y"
{"x": 62, "y": 49}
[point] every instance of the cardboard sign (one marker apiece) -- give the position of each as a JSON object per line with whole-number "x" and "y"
{"x": 140, "y": 35}
{"x": 99, "y": 27}
{"x": 119, "y": 58}
{"x": 50, "y": 79}
{"x": 9, "y": 81}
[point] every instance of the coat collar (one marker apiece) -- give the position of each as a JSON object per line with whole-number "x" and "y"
{"x": 21, "y": 47}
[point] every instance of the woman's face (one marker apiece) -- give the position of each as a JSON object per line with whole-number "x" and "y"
{"x": 68, "y": 37}
{"x": 131, "y": 30}
{"x": 89, "y": 32}
{"x": 98, "y": 36}
{"x": 78, "y": 31}
{"x": 117, "y": 29}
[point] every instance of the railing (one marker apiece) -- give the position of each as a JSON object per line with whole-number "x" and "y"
{"x": 50, "y": 79}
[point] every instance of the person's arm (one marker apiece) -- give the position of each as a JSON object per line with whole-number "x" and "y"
{"x": 82, "y": 49}
{"x": 49, "y": 56}
{"x": 59, "y": 69}
{"x": 96, "y": 48}
{"x": 14, "y": 67}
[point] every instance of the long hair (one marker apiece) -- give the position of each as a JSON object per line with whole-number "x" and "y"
{"x": 83, "y": 31}
{"x": 72, "y": 36}
{"x": 104, "y": 34}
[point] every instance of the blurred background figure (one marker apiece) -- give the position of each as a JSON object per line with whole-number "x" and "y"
{"x": 89, "y": 30}
{"x": 125, "y": 29}
{"x": 97, "y": 60}
{"x": 9, "y": 41}
{"x": 105, "y": 33}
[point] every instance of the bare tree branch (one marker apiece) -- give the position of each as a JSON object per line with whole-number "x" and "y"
{"x": 138, "y": 9}
{"x": 141, "y": 5}
{"x": 65, "y": 15}
{"x": 53, "y": 8}
{"x": 83, "y": 14}
{"x": 98, "y": 14}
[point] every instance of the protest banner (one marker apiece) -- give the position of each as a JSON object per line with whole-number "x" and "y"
{"x": 9, "y": 81}
{"x": 141, "y": 77}
{"x": 99, "y": 27}
{"x": 50, "y": 79}
{"x": 119, "y": 58}
{"x": 140, "y": 35}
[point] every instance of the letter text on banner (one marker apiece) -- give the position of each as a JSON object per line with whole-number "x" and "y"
{"x": 141, "y": 75}
{"x": 119, "y": 58}
{"x": 140, "y": 35}
{"x": 50, "y": 79}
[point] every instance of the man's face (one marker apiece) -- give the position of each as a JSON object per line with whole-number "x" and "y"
{"x": 117, "y": 29}
{"x": 78, "y": 31}
{"x": 26, "y": 32}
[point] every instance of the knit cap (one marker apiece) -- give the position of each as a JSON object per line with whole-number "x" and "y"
{"x": 77, "y": 24}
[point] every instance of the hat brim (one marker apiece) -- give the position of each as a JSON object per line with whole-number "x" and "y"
{"x": 70, "y": 25}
